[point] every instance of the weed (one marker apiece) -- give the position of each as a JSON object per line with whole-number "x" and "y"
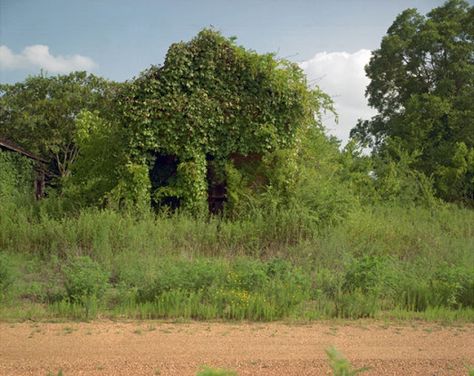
{"x": 340, "y": 365}
{"x": 206, "y": 371}
{"x": 60, "y": 373}
{"x": 68, "y": 330}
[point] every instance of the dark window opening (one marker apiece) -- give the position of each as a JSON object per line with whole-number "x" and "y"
{"x": 163, "y": 174}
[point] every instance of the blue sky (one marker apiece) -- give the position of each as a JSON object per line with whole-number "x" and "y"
{"x": 119, "y": 38}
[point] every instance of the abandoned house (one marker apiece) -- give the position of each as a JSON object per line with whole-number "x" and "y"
{"x": 211, "y": 111}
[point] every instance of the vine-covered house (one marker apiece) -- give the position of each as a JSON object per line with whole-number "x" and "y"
{"x": 217, "y": 122}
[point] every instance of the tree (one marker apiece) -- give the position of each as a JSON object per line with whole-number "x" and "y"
{"x": 40, "y": 113}
{"x": 422, "y": 85}
{"x": 99, "y": 166}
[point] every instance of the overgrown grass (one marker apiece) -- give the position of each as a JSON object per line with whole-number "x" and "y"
{"x": 380, "y": 262}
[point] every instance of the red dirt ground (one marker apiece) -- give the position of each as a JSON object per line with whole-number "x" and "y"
{"x": 157, "y": 348}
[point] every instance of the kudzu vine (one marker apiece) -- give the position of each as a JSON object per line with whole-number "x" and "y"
{"x": 212, "y": 99}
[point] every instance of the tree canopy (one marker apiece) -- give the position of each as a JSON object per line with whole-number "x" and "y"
{"x": 422, "y": 85}
{"x": 40, "y": 113}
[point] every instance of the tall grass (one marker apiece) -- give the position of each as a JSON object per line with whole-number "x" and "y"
{"x": 381, "y": 260}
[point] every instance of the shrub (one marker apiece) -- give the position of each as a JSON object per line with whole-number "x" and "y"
{"x": 369, "y": 274}
{"x": 184, "y": 275}
{"x": 248, "y": 275}
{"x": 454, "y": 286}
{"x": 84, "y": 279}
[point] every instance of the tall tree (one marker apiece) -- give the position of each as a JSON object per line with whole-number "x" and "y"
{"x": 40, "y": 113}
{"x": 422, "y": 85}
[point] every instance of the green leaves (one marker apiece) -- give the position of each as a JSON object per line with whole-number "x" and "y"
{"x": 212, "y": 98}
{"x": 422, "y": 80}
{"x": 39, "y": 113}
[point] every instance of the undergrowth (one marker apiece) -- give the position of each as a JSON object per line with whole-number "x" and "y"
{"x": 382, "y": 261}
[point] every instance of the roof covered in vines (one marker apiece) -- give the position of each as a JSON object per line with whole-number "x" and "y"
{"x": 214, "y": 97}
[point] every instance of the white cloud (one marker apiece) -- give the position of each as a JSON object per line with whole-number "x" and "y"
{"x": 38, "y": 56}
{"x": 342, "y": 76}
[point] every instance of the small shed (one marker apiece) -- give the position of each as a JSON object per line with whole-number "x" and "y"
{"x": 40, "y": 164}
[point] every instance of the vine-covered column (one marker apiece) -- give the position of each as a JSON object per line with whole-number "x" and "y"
{"x": 192, "y": 180}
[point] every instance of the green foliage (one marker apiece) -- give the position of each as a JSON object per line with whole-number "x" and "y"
{"x": 369, "y": 274}
{"x": 16, "y": 186}
{"x": 100, "y": 163}
{"x": 193, "y": 184}
{"x": 84, "y": 279}
{"x": 60, "y": 373}
{"x": 39, "y": 113}
{"x": 206, "y": 371}
{"x": 454, "y": 286}
{"x": 320, "y": 191}
{"x": 16, "y": 175}
{"x": 396, "y": 180}
{"x": 357, "y": 171}
{"x": 133, "y": 189}
{"x": 212, "y": 98}
{"x": 422, "y": 80}
{"x": 456, "y": 178}
{"x": 197, "y": 102}
{"x": 340, "y": 365}
{"x": 356, "y": 305}
{"x": 244, "y": 289}
{"x": 408, "y": 262}
{"x": 7, "y": 275}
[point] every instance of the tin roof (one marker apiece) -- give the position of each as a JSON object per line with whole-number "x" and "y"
{"x": 9, "y": 145}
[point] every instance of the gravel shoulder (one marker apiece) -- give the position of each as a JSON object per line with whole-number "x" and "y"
{"x": 163, "y": 348}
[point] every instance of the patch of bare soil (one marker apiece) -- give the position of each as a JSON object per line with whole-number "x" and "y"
{"x": 157, "y": 348}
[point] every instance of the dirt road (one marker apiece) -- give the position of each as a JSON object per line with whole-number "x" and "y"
{"x": 157, "y": 348}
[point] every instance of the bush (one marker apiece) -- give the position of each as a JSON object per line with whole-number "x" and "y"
{"x": 84, "y": 279}
{"x": 370, "y": 274}
{"x": 454, "y": 286}
{"x": 184, "y": 275}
